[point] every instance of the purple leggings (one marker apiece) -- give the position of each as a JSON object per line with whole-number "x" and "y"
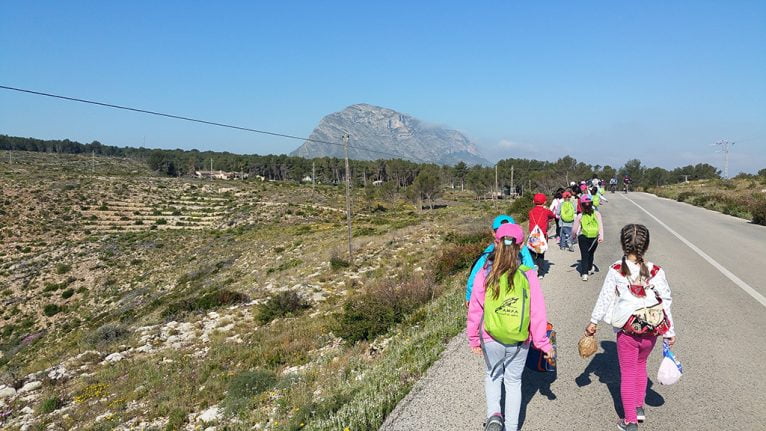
{"x": 632, "y": 353}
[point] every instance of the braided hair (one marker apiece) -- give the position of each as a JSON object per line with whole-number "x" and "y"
{"x": 635, "y": 240}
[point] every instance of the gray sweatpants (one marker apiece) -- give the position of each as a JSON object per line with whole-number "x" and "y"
{"x": 504, "y": 365}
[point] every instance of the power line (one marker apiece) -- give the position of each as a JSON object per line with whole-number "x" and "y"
{"x": 196, "y": 120}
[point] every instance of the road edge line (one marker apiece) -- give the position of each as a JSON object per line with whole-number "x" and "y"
{"x": 738, "y": 281}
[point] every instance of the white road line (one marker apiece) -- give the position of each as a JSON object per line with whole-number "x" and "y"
{"x": 738, "y": 281}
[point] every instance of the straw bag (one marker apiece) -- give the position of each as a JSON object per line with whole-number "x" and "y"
{"x": 587, "y": 345}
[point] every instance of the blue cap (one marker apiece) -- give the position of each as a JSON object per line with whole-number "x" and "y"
{"x": 502, "y": 219}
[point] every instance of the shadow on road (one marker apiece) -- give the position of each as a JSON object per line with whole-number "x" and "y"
{"x": 533, "y": 382}
{"x": 605, "y": 366}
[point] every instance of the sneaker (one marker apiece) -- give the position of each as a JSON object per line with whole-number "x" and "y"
{"x": 571, "y": 249}
{"x": 591, "y": 272}
{"x": 622, "y": 426}
{"x": 640, "y": 414}
{"x": 540, "y": 277}
{"x": 494, "y": 423}
{"x": 585, "y": 277}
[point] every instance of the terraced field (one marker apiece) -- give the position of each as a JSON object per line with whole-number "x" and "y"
{"x": 114, "y": 278}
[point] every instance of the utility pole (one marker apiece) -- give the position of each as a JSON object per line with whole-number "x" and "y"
{"x": 725, "y": 147}
{"x": 496, "y": 195}
{"x": 313, "y": 176}
{"x": 513, "y": 188}
{"x": 348, "y": 198}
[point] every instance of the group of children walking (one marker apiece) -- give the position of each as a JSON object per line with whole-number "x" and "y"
{"x": 507, "y": 313}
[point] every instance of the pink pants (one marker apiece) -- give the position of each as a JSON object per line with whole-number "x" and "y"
{"x": 632, "y": 353}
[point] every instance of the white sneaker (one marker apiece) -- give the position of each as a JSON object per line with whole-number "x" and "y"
{"x": 585, "y": 277}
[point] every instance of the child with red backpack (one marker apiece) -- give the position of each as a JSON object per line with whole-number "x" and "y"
{"x": 539, "y": 217}
{"x": 635, "y": 300}
{"x": 506, "y": 312}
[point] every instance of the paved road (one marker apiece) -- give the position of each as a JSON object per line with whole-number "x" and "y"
{"x": 721, "y": 333}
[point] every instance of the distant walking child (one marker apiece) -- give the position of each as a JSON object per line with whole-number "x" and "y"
{"x": 506, "y": 312}
{"x": 566, "y": 213}
{"x": 635, "y": 300}
{"x": 558, "y": 198}
{"x": 540, "y": 216}
{"x": 589, "y": 230}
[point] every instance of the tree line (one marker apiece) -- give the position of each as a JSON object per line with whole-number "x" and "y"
{"x": 512, "y": 175}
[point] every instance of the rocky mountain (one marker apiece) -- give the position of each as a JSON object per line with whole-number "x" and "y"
{"x": 375, "y": 130}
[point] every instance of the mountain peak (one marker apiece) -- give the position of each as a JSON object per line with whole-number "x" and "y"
{"x": 379, "y": 133}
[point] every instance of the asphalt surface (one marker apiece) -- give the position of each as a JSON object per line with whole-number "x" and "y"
{"x": 720, "y": 328}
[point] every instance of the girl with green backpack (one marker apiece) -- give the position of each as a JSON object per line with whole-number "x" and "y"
{"x": 589, "y": 230}
{"x": 506, "y": 312}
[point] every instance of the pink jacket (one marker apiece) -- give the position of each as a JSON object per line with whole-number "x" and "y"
{"x": 538, "y": 320}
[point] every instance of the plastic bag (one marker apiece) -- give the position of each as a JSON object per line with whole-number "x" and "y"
{"x": 537, "y": 241}
{"x": 587, "y": 345}
{"x": 670, "y": 367}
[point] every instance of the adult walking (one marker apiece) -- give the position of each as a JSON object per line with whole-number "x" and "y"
{"x": 589, "y": 230}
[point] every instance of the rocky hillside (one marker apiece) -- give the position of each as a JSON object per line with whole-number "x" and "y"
{"x": 137, "y": 302}
{"x": 373, "y": 128}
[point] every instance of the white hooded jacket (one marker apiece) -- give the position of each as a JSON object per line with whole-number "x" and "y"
{"x": 616, "y": 303}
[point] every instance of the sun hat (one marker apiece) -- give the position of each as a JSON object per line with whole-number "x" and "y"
{"x": 510, "y": 230}
{"x": 538, "y": 199}
{"x": 501, "y": 220}
{"x": 585, "y": 199}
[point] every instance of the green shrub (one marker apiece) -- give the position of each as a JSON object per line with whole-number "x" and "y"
{"x": 51, "y": 404}
{"x": 477, "y": 236}
{"x": 62, "y": 268}
{"x": 455, "y": 259}
{"x": 287, "y": 303}
{"x": 67, "y": 293}
{"x": 160, "y": 221}
{"x": 758, "y": 211}
{"x": 51, "y": 309}
{"x": 336, "y": 262}
{"x": 381, "y": 306}
{"x": 244, "y": 387}
{"x": 684, "y": 196}
{"x": 204, "y": 302}
{"x": 520, "y": 207}
{"x": 107, "y": 334}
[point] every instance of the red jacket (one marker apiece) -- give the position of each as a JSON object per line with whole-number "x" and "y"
{"x": 540, "y": 216}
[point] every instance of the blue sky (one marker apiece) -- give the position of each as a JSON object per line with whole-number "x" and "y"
{"x": 602, "y": 81}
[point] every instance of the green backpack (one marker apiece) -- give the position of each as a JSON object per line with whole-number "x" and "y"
{"x": 567, "y": 211}
{"x": 589, "y": 225}
{"x": 506, "y": 318}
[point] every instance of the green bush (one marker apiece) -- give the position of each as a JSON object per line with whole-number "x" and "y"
{"x": 107, "y": 334}
{"x": 379, "y": 307}
{"x": 51, "y": 404}
{"x": 336, "y": 262}
{"x": 51, "y": 309}
{"x": 758, "y": 211}
{"x": 244, "y": 387}
{"x": 477, "y": 236}
{"x": 67, "y": 293}
{"x": 455, "y": 259}
{"x": 684, "y": 196}
{"x": 62, "y": 268}
{"x": 287, "y": 303}
{"x": 520, "y": 207}
{"x": 204, "y": 302}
